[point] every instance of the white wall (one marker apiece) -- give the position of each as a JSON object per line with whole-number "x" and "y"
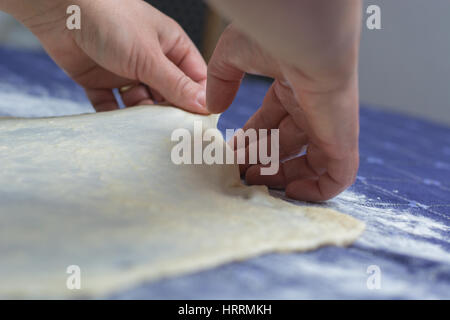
{"x": 406, "y": 65}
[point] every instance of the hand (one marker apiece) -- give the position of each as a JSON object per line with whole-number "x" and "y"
{"x": 316, "y": 106}
{"x": 122, "y": 44}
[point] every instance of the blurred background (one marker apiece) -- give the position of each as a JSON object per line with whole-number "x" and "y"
{"x": 404, "y": 67}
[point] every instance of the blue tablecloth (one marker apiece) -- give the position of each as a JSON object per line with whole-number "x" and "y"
{"x": 402, "y": 193}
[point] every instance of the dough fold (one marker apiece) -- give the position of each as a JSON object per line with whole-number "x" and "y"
{"x": 100, "y": 191}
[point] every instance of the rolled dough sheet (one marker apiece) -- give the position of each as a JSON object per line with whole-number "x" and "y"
{"x": 100, "y": 192}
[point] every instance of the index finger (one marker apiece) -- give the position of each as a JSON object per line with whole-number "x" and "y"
{"x": 303, "y": 181}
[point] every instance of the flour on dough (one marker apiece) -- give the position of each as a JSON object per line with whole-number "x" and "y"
{"x": 100, "y": 192}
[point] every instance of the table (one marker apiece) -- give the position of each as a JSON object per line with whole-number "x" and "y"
{"x": 402, "y": 192}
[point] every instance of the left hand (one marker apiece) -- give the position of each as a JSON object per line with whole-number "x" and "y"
{"x": 121, "y": 44}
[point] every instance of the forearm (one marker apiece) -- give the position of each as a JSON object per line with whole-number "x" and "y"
{"x": 22, "y": 9}
{"x": 299, "y": 31}
{"x": 11, "y": 6}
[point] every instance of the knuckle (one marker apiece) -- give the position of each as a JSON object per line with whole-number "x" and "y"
{"x": 182, "y": 86}
{"x": 142, "y": 64}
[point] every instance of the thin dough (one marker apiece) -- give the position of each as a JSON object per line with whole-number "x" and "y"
{"x": 99, "y": 191}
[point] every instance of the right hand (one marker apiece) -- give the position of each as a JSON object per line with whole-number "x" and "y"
{"x": 316, "y": 106}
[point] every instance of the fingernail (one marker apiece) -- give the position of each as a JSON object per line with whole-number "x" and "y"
{"x": 201, "y": 99}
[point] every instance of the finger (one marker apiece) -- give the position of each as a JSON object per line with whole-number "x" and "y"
{"x": 174, "y": 85}
{"x": 289, "y": 171}
{"x": 288, "y": 144}
{"x": 102, "y": 99}
{"x": 222, "y": 85}
{"x": 340, "y": 175}
{"x": 137, "y": 95}
{"x": 270, "y": 114}
{"x": 287, "y": 98}
{"x": 314, "y": 190}
{"x": 186, "y": 56}
{"x": 234, "y": 55}
{"x": 89, "y": 78}
{"x": 303, "y": 182}
{"x": 292, "y": 139}
{"x": 259, "y": 151}
{"x": 157, "y": 97}
{"x": 253, "y": 176}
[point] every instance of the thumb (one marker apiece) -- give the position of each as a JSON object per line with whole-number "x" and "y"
{"x": 234, "y": 55}
{"x": 174, "y": 85}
